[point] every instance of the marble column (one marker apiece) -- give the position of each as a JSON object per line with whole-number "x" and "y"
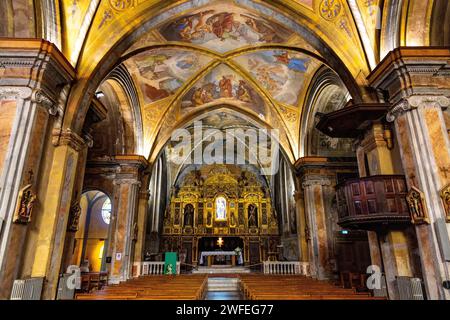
{"x": 302, "y": 226}
{"x": 124, "y": 220}
{"x": 319, "y": 258}
{"x": 55, "y": 212}
{"x": 34, "y": 80}
{"x": 141, "y": 225}
{"x": 425, "y": 150}
{"x": 23, "y": 144}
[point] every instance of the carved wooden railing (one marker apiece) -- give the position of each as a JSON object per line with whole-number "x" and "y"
{"x": 373, "y": 203}
{"x": 150, "y": 268}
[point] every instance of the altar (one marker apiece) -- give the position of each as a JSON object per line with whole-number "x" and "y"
{"x": 210, "y": 254}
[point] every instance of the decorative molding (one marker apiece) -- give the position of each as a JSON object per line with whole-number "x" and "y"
{"x": 330, "y": 10}
{"x": 126, "y": 180}
{"x": 315, "y": 180}
{"x": 144, "y": 195}
{"x": 44, "y": 100}
{"x": 14, "y": 93}
{"x": 415, "y": 102}
{"x": 71, "y": 139}
{"x": 445, "y": 196}
{"x": 74, "y": 217}
{"x": 417, "y": 207}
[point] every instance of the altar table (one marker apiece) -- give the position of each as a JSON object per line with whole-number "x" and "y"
{"x": 233, "y": 255}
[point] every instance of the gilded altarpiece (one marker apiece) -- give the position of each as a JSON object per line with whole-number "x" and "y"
{"x": 221, "y": 205}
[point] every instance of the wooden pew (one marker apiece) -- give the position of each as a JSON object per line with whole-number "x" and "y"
{"x": 153, "y": 288}
{"x": 276, "y": 287}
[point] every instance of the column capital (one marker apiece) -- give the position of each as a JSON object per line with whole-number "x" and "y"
{"x": 126, "y": 180}
{"x": 14, "y": 93}
{"x": 415, "y": 102}
{"x": 69, "y": 138}
{"x": 315, "y": 180}
{"x": 144, "y": 195}
{"x": 41, "y": 98}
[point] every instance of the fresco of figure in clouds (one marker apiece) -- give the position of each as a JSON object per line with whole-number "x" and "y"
{"x": 163, "y": 72}
{"x": 223, "y": 84}
{"x": 280, "y": 72}
{"x": 222, "y": 28}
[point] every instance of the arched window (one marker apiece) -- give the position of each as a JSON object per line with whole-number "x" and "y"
{"x": 221, "y": 208}
{"x": 106, "y": 211}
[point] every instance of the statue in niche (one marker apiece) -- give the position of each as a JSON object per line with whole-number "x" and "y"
{"x": 232, "y": 219}
{"x": 25, "y": 203}
{"x": 188, "y": 215}
{"x": 445, "y": 196}
{"x": 252, "y": 216}
{"x": 209, "y": 219}
{"x": 416, "y": 203}
{"x": 177, "y": 217}
{"x": 293, "y": 218}
{"x": 167, "y": 215}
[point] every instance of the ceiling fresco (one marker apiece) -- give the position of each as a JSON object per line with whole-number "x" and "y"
{"x": 160, "y": 73}
{"x": 280, "y": 72}
{"x": 224, "y": 28}
{"x": 223, "y": 84}
{"x": 188, "y": 56}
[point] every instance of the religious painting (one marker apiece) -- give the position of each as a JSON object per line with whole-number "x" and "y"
{"x": 221, "y": 208}
{"x": 188, "y": 215}
{"x": 25, "y": 204}
{"x": 280, "y": 72}
{"x": 162, "y": 72}
{"x": 445, "y": 197}
{"x": 252, "y": 216}
{"x": 223, "y": 28}
{"x": 417, "y": 206}
{"x": 223, "y": 84}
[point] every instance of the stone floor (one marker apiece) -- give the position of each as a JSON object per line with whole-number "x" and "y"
{"x": 223, "y": 288}
{"x": 223, "y": 295}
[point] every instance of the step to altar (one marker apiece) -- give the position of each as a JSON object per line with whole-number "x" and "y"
{"x": 223, "y": 284}
{"x": 221, "y": 270}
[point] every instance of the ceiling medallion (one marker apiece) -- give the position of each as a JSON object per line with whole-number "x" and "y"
{"x": 121, "y": 5}
{"x": 330, "y": 9}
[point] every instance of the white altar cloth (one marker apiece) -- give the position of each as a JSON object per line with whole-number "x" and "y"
{"x": 221, "y": 253}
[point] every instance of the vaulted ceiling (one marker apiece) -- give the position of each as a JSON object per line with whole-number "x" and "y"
{"x": 187, "y": 57}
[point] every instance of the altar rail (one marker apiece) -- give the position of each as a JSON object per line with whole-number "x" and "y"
{"x": 286, "y": 267}
{"x": 150, "y": 268}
